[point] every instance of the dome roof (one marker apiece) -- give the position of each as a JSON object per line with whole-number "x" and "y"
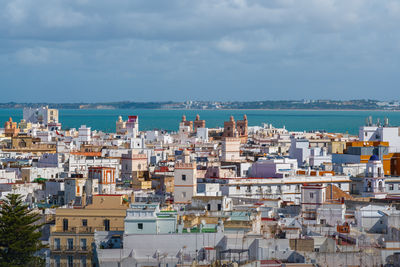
{"x": 374, "y": 158}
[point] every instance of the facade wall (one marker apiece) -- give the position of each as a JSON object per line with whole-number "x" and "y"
{"x": 230, "y": 149}
{"x": 185, "y": 182}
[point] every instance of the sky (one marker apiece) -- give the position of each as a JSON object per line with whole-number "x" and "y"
{"x": 222, "y": 50}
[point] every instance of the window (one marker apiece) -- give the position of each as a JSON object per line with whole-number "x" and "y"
{"x": 140, "y": 226}
{"x": 183, "y": 194}
{"x": 57, "y": 243}
{"x": 84, "y": 222}
{"x": 311, "y": 195}
{"x": 183, "y": 177}
{"x": 219, "y": 207}
{"x": 83, "y": 261}
{"x": 83, "y": 244}
{"x": 70, "y": 243}
{"x": 208, "y": 206}
{"x": 391, "y": 187}
{"x": 70, "y": 261}
{"x": 65, "y": 224}
{"x": 106, "y": 225}
{"x": 57, "y": 260}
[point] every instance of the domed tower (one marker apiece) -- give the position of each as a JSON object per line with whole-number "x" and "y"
{"x": 120, "y": 126}
{"x": 230, "y": 128}
{"x": 199, "y": 123}
{"x": 188, "y": 125}
{"x": 242, "y": 128}
{"x": 374, "y": 181}
{"x": 11, "y": 128}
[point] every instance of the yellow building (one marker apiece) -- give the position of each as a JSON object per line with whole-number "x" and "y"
{"x": 72, "y": 235}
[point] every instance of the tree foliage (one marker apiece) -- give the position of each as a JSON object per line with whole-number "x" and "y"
{"x": 19, "y": 233}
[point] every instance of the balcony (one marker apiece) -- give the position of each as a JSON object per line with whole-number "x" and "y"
{"x": 70, "y": 249}
{"x": 82, "y": 229}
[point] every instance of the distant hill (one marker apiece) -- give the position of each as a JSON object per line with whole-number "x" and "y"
{"x": 266, "y": 104}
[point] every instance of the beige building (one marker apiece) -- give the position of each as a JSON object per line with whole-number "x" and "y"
{"x": 120, "y": 126}
{"x": 185, "y": 182}
{"x": 72, "y": 235}
{"x": 134, "y": 168}
{"x": 230, "y": 149}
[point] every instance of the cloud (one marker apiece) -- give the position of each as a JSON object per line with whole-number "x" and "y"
{"x": 37, "y": 55}
{"x": 230, "y": 46}
{"x": 185, "y": 44}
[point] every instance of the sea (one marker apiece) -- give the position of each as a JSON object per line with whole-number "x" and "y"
{"x": 342, "y": 121}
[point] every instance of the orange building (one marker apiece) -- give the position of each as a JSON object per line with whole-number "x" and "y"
{"x": 187, "y": 123}
{"x": 365, "y": 149}
{"x": 10, "y": 128}
{"x": 395, "y": 164}
{"x": 199, "y": 123}
{"x": 236, "y": 129}
{"x": 230, "y": 128}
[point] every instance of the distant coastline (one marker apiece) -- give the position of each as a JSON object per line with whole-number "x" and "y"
{"x": 304, "y": 105}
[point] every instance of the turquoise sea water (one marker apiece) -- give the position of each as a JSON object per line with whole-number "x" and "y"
{"x": 295, "y": 120}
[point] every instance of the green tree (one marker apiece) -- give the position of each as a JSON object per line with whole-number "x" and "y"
{"x": 19, "y": 233}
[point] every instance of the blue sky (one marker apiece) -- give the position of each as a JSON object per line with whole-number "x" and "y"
{"x": 98, "y": 50}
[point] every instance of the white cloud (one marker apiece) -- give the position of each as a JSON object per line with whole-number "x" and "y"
{"x": 230, "y": 46}
{"x": 193, "y": 40}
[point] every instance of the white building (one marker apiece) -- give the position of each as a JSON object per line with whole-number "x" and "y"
{"x": 299, "y": 149}
{"x": 279, "y": 167}
{"x": 383, "y": 133}
{"x": 374, "y": 181}
{"x": 372, "y": 218}
{"x": 202, "y": 134}
{"x": 42, "y": 115}
{"x": 132, "y": 126}
{"x": 287, "y": 188}
{"x": 52, "y": 160}
{"x": 84, "y": 134}
{"x": 80, "y": 164}
{"x": 29, "y": 174}
{"x": 317, "y": 210}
